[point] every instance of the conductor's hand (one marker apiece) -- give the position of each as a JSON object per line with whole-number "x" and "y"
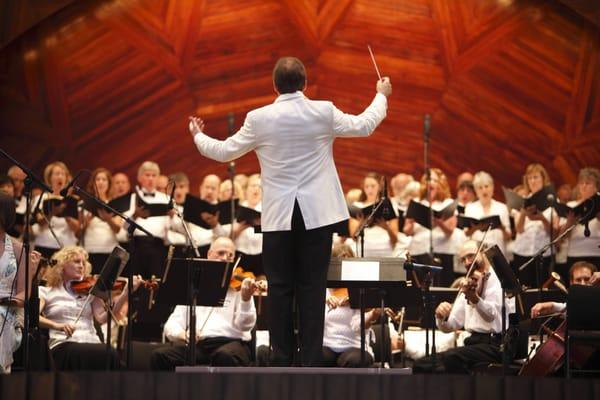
{"x": 443, "y": 310}
{"x": 196, "y": 125}
{"x": 384, "y": 86}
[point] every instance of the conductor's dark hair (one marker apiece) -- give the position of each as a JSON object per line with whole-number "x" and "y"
{"x": 289, "y": 75}
{"x": 7, "y": 211}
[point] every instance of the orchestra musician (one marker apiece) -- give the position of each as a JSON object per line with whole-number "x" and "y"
{"x": 12, "y": 284}
{"x": 74, "y": 343}
{"x": 222, "y": 333}
{"x": 477, "y": 309}
{"x": 302, "y": 197}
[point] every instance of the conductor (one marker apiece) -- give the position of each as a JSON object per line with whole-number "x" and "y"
{"x": 302, "y": 198}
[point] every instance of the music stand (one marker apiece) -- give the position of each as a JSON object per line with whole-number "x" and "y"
{"x": 212, "y": 275}
{"x": 112, "y": 269}
{"x": 510, "y": 286}
{"x": 381, "y": 274}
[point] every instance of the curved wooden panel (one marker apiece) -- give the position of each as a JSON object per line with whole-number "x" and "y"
{"x": 112, "y": 83}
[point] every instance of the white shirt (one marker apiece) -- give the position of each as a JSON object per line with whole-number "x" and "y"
{"x": 293, "y": 139}
{"x": 377, "y": 240}
{"x": 441, "y": 243}
{"x": 157, "y": 226}
{"x": 43, "y": 236}
{"x": 99, "y": 237}
{"x": 533, "y": 237}
{"x": 494, "y": 236}
{"x": 342, "y": 329}
{"x": 200, "y": 235}
{"x": 578, "y": 244}
{"x": 63, "y": 306}
{"x": 249, "y": 242}
{"x": 483, "y": 317}
{"x": 234, "y": 320}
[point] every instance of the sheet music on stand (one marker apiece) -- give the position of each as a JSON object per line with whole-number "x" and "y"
{"x": 386, "y": 277}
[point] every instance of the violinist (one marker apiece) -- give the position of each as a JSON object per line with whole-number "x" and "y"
{"x": 341, "y": 336}
{"x": 223, "y": 334}
{"x": 12, "y": 284}
{"x": 477, "y": 309}
{"x": 74, "y": 343}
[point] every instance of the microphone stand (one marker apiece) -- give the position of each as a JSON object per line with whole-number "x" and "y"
{"x": 193, "y": 290}
{"x": 428, "y": 300}
{"x": 132, "y": 226}
{"x": 31, "y": 308}
{"x": 426, "y": 128}
{"x": 231, "y": 171}
{"x": 360, "y": 233}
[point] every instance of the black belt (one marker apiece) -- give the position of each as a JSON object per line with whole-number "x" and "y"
{"x": 480, "y": 337}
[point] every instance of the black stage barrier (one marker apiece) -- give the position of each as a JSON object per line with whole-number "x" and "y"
{"x": 293, "y": 384}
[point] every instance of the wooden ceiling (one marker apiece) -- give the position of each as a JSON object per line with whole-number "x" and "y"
{"x": 111, "y": 83}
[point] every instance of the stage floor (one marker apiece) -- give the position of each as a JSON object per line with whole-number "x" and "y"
{"x": 288, "y": 383}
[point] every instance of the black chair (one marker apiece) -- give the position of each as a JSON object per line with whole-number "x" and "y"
{"x": 583, "y": 330}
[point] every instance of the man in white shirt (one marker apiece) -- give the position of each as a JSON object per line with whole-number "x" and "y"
{"x": 302, "y": 197}
{"x": 478, "y": 309}
{"x": 222, "y": 333}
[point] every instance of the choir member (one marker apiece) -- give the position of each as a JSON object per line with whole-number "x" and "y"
{"x": 487, "y": 206}
{"x": 100, "y": 230}
{"x": 247, "y": 241}
{"x": 120, "y": 185}
{"x": 381, "y": 237}
{"x": 443, "y": 230}
{"x": 51, "y": 231}
{"x": 533, "y": 228}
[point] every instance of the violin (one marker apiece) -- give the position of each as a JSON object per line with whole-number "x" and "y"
{"x": 238, "y": 277}
{"x": 86, "y": 284}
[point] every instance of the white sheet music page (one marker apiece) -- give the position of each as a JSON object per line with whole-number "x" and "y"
{"x": 360, "y": 270}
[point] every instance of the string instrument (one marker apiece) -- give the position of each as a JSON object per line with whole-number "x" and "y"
{"x": 238, "y": 277}
{"x": 86, "y": 284}
{"x": 550, "y": 355}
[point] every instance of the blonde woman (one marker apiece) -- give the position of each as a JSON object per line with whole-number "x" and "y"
{"x": 74, "y": 344}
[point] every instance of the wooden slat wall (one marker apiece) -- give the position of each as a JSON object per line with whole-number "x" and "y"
{"x": 111, "y": 83}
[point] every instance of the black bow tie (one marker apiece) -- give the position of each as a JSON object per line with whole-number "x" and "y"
{"x": 148, "y": 194}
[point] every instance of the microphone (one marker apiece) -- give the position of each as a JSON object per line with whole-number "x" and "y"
{"x": 586, "y": 229}
{"x": 64, "y": 191}
{"x": 426, "y": 127}
{"x": 171, "y": 206}
{"x": 550, "y": 198}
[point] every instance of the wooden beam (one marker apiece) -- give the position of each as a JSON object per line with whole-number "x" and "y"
{"x": 304, "y": 19}
{"x": 585, "y": 73}
{"x": 329, "y": 17}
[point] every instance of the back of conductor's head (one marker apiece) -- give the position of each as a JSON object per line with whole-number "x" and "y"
{"x": 289, "y": 75}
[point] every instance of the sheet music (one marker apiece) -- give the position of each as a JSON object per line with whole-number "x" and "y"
{"x": 360, "y": 270}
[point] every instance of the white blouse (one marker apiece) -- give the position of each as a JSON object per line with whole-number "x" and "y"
{"x": 441, "y": 243}
{"x": 62, "y": 306}
{"x": 43, "y": 236}
{"x": 581, "y": 246}
{"x": 533, "y": 237}
{"x": 99, "y": 237}
{"x": 377, "y": 240}
{"x": 494, "y": 236}
{"x": 249, "y": 242}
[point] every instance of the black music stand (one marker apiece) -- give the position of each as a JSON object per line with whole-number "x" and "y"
{"x": 380, "y": 274}
{"x": 510, "y": 286}
{"x": 213, "y": 276}
{"x": 583, "y": 323}
{"x": 112, "y": 269}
